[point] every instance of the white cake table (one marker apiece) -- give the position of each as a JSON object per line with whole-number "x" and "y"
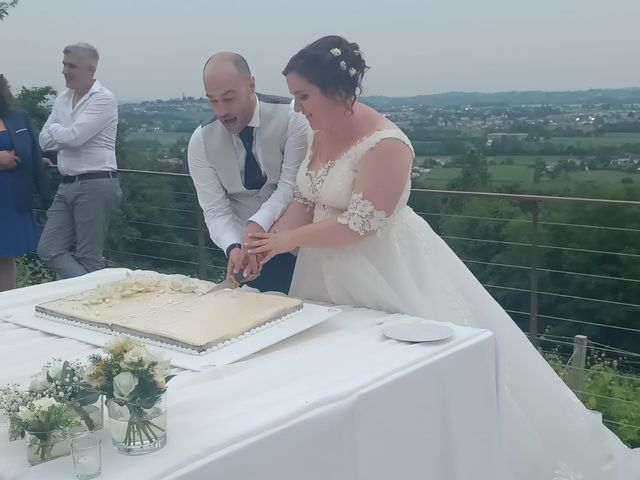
{"x": 337, "y": 401}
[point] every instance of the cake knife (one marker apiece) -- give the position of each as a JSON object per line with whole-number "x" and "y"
{"x": 232, "y": 281}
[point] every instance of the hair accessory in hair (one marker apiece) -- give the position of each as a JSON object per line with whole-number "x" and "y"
{"x": 336, "y": 52}
{"x": 343, "y": 65}
{"x": 356, "y": 52}
{"x": 352, "y": 71}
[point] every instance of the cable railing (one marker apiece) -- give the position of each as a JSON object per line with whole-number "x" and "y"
{"x": 191, "y": 232}
{"x": 556, "y": 277}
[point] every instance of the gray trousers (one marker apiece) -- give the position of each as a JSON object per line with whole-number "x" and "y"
{"x": 79, "y": 215}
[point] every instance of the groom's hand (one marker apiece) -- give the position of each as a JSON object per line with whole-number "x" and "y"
{"x": 237, "y": 260}
{"x": 252, "y": 269}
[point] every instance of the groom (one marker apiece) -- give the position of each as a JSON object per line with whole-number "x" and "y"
{"x": 243, "y": 163}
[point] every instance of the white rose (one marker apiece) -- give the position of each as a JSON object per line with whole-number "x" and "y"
{"x": 138, "y": 354}
{"x": 123, "y": 385}
{"x": 93, "y": 377}
{"x": 163, "y": 368}
{"x": 160, "y": 382}
{"x": 25, "y": 414}
{"x": 44, "y": 403}
{"x": 55, "y": 371}
{"x": 90, "y": 371}
{"x": 121, "y": 345}
{"x": 39, "y": 382}
{"x": 96, "y": 382}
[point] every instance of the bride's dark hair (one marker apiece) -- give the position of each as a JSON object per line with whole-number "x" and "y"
{"x": 332, "y": 64}
{"x": 5, "y": 97}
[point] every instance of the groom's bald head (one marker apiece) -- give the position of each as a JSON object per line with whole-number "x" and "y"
{"x": 224, "y": 60}
{"x": 230, "y": 88}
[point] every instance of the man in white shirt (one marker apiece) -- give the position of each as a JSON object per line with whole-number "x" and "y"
{"x": 82, "y": 128}
{"x": 243, "y": 164}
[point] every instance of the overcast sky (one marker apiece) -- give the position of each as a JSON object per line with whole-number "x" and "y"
{"x": 155, "y": 48}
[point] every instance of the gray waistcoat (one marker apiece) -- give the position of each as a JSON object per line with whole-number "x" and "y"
{"x": 271, "y": 137}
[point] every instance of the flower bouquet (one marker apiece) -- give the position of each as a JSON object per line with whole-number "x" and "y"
{"x": 134, "y": 382}
{"x": 64, "y": 381}
{"x": 12, "y": 397}
{"x": 46, "y": 423}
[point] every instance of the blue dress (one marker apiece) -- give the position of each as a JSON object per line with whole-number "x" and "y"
{"x": 18, "y": 230}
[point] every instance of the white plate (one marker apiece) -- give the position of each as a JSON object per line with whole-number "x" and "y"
{"x": 417, "y": 331}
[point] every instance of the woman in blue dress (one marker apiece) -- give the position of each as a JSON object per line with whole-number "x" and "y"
{"x": 22, "y": 174}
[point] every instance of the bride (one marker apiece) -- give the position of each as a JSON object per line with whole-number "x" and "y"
{"x": 360, "y": 244}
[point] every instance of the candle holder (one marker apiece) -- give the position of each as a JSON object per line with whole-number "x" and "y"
{"x": 87, "y": 453}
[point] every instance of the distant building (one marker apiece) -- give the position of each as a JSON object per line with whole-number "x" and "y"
{"x": 499, "y": 137}
{"x": 624, "y": 163}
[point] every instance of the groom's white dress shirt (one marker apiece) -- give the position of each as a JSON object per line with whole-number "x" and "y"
{"x": 216, "y": 164}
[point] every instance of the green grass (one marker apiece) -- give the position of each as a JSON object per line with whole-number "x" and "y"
{"x": 523, "y": 175}
{"x": 419, "y": 159}
{"x": 165, "y": 138}
{"x": 500, "y": 160}
{"x": 603, "y": 176}
{"x": 198, "y": 116}
{"x": 499, "y": 173}
{"x": 511, "y": 173}
{"x": 426, "y": 147}
{"x": 609, "y": 139}
{"x": 525, "y": 159}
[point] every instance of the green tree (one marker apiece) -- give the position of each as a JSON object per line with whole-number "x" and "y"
{"x": 538, "y": 170}
{"x": 155, "y": 226}
{"x": 36, "y": 102}
{"x": 475, "y": 174}
{"x": 5, "y": 6}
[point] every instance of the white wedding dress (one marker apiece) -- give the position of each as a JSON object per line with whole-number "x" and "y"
{"x": 406, "y": 268}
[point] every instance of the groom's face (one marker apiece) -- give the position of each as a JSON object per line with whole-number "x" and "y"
{"x": 231, "y": 96}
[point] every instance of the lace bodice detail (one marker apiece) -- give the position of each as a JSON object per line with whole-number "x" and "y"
{"x": 330, "y": 189}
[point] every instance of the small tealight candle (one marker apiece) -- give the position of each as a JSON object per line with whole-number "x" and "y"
{"x": 86, "y": 452}
{"x": 87, "y": 465}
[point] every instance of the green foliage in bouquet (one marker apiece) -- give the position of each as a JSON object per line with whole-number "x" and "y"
{"x": 135, "y": 381}
{"x": 129, "y": 373}
{"x": 12, "y": 397}
{"x": 44, "y": 415}
{"x": 47, "y": 421}
{"x": 64, "y": 381}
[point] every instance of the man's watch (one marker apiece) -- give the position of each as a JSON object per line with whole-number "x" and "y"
{"x": 231, "y": 247}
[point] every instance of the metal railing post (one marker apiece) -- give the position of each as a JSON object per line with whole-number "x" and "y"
{"x": 202, "y": 252}
{"x": 578, "y": 363}
{"x": 533, "y": 300}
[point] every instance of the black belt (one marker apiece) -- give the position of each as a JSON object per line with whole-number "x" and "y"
{"x": 88, "y": 176}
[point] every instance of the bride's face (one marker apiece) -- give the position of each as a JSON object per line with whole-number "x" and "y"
{"x": 321, "y": 111}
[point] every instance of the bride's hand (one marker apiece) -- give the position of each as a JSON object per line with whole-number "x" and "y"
{"x": 269, "y": 244}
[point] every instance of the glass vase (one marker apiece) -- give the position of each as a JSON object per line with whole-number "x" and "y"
{"x": 139, "y": 427}
{"x": 88, "y": 414}
{"x": 45, "y": 446}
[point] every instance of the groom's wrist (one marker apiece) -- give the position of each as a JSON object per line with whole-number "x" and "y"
{"x": 231, "y": 247}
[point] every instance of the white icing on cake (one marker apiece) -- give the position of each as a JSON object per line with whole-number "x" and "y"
{"x": 172, "y": 310}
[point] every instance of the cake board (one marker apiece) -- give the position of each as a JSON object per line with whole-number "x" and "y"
{"x": 303, "y": 319}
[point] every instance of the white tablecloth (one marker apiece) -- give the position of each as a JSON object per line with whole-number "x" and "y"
{"x": 339, "y": 401}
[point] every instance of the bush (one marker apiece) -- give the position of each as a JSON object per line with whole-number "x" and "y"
{"x": 31, "y": 271}
{"x": 611, "y": 390}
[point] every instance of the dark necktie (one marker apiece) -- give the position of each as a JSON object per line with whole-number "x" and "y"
{"x": 253, "y": 177}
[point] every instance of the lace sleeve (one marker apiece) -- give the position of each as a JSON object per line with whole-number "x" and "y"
{"x": 362, "y": 217}
{"x": 381, "y": 182}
